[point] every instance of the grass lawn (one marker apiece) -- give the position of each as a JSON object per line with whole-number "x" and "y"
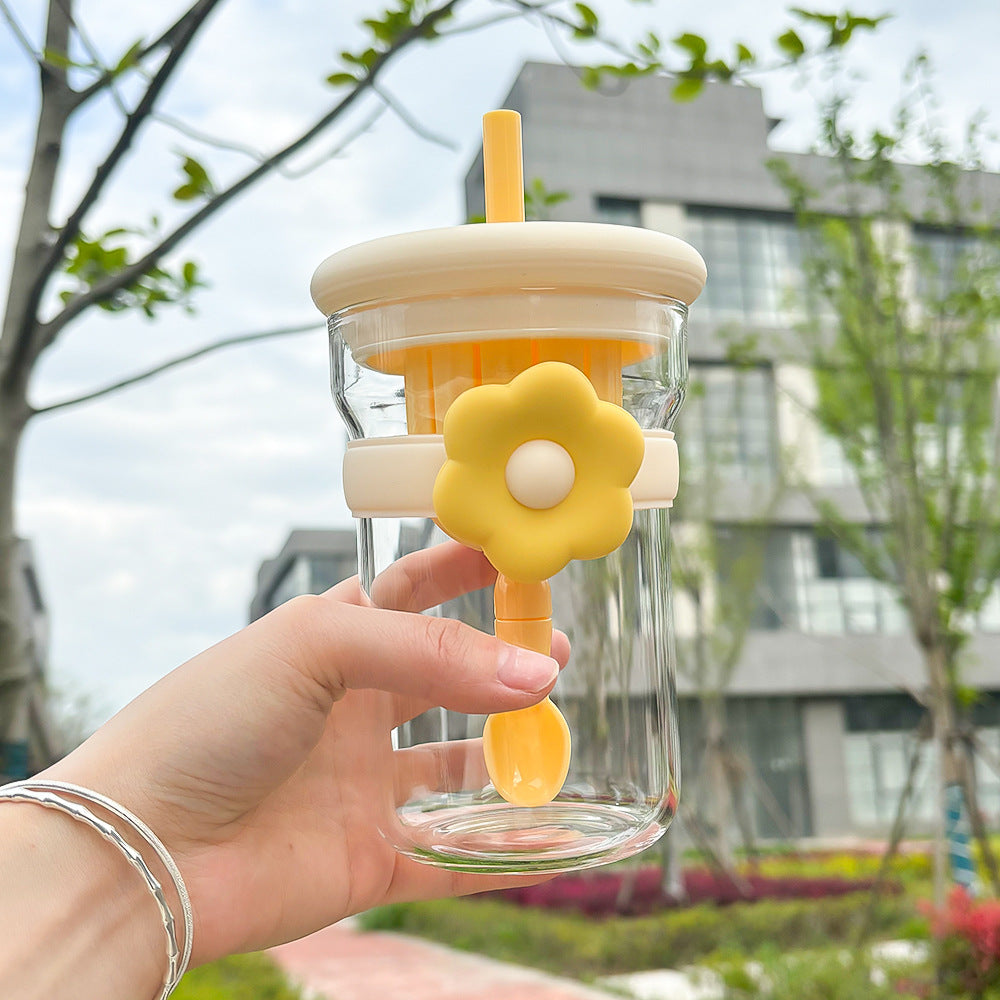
{"x": 240, "y": 977}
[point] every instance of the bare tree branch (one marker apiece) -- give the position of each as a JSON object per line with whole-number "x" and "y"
{"x": 258, "y": 156}
{"x": 337, "y": 148}
{"x": 183, "y": 359}
{"x": 410, "y": 122}
{"x": 20, "y": 34}
{"x": 473, "y": 26}
{"x": 105, "y": 289}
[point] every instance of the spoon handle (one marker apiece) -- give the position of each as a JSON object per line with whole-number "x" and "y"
{"x": 527, "y": 752}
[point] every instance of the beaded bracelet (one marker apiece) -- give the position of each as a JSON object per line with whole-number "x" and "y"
{"x": 43, "y": 792}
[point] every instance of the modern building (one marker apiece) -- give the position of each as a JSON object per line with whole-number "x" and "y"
{"x": 31, "y": 742}
{"x": 311, "y": 560}
{"x": 818, "y": 700}
{"x": 818, "y": 697}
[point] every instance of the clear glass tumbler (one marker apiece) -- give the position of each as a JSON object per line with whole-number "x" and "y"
{"x": 417, "y": 321}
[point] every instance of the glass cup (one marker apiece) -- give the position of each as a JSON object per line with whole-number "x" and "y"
{"x": 570, "y": 323}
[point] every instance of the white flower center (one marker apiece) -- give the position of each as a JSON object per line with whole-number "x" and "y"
{"x": 540, "y": 474}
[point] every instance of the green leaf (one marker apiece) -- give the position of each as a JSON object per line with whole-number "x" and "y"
{"x": 341, "y": 79}
{"x": 694, "y": 44}
{"x": 189, "y": 273}
{"x": 589, "y": 21}
{"x": 744, "y": 55}
{"x": 198, "y": 182}
{"x": 590, "y": 77}
{"x": 129, "y": 58}
{"x": 791, "y": 44}
{"x": 812, "y": 15}
{"x": 58, "y": 59}
{"x": 382, "y": 30}
{"x": 688, "y": 88}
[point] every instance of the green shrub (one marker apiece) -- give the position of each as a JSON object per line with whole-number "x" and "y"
{"x": 579, "y": 946}
{"x": 240, "y": 977}
{"x": 828, "y": 975}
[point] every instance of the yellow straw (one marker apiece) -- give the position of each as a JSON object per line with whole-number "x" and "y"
{"x": 503, "y": 172}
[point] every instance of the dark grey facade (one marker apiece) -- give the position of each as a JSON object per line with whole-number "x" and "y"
{"x": 311, "y": 560}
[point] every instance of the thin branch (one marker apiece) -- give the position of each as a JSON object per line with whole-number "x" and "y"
{"x": 194, "y": 19}
{"x": 103, "y": 291}
{"x": 32, "y": 337}
{"x": 337, "y": 149}
{"x": 410, "y": 122}
{"x": 20, "y": 34}
{"x": 486, "y": 22}
{"x": 107, "y": 77}
{"x": 234, "y": 341}
{"x": 208, "y": 140}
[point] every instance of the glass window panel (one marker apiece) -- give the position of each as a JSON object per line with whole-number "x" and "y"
{"x": 757, "y": 256}
{"x": 826, "y": 557}
{"x": 861, "y": 794}
{"x": 620, "y": 211}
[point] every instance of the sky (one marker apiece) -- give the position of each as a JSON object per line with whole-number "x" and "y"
{"x": 150, "y": 510}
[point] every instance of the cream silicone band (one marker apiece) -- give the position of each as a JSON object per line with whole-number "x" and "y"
{"x": 394, "y": 476}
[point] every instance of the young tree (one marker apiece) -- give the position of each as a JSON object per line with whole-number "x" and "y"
{"x": 63, "y": 270}
{"x": 719, "y": 576}
{"x": 903, "y": 289}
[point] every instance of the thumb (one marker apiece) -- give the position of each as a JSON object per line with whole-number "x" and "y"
{"x": 438, "y": 660}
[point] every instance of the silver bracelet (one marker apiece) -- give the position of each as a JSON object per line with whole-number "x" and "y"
{"x": 43, "y": 792}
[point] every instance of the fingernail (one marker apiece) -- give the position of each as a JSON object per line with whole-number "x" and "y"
{"x": 526, "y": 670}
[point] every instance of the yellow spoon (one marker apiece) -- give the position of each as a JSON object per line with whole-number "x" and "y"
{"x": 527, "y": 752}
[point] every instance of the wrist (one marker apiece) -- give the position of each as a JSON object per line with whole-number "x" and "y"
{"x": 81, "y": 921}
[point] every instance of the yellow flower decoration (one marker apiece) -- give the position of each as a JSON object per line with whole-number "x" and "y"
{"x": 538, "y": 472}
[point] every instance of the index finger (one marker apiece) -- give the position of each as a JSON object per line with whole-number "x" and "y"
{"x": 424, "y": 579}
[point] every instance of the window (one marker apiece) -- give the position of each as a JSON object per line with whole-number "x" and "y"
{"x": 943, "y": 259}
{"x": 727, "y": 424}
{"x": 878, "y": 746}
{"x": 833, "y": 594}
{"x": 311, "y": 574}
{"x": 767, "y": 734}
{"x": 620, "y": 211}
{"x": 327, "y": 571}
{"x": 293, "y": 582}
{"x": 833, "y": 468}
{"x": 754, "y": 263}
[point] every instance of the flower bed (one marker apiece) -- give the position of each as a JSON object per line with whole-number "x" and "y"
{"x": 602, "y": 894}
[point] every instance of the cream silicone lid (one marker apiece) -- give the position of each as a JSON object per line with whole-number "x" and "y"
{"x": 476, "y": 282}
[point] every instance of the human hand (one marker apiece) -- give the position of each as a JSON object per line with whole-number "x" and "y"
{"x": 265, "y": 764}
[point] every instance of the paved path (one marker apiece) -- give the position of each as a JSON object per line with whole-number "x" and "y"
{"x": 344, "y": 963}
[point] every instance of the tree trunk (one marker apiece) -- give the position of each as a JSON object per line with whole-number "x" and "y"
{"x": 671, "y": 872}
{"x": 954, "y": 766}
{"x": 15, "y": 647}
{"x": 715, "y": 751}
{"x": 21, "y": 343}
